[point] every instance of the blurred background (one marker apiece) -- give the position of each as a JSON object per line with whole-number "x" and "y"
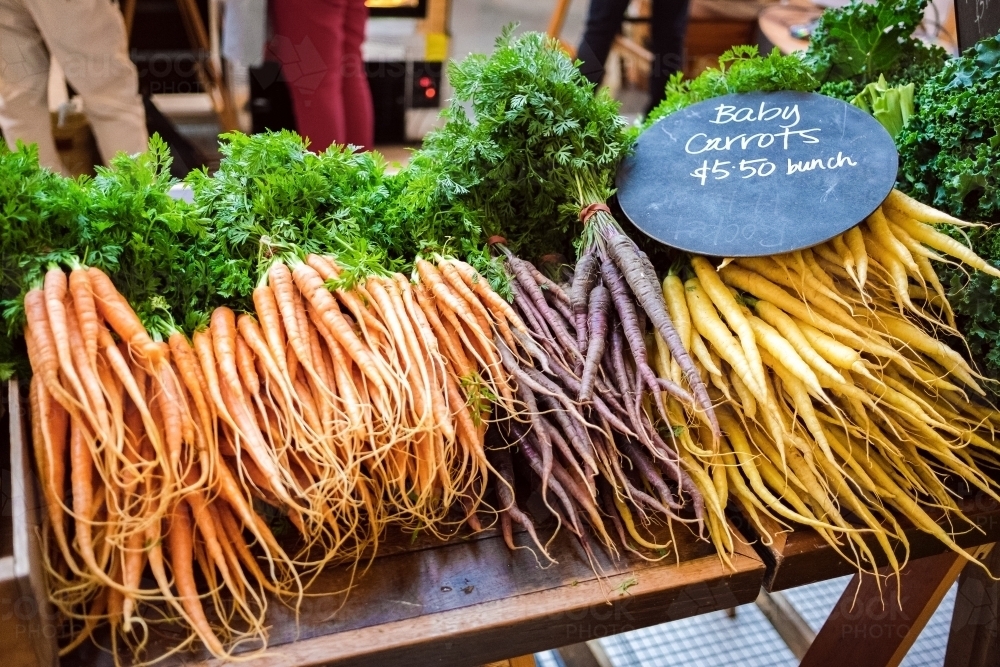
{"x": 202, "y": 68}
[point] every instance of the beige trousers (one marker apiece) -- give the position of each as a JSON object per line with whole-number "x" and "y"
{"x": 88, "y": 39}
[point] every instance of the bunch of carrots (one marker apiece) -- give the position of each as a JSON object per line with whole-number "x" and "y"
{"x": 584, "y": 425}
{"x": 840, "y": 409}
{"x": 352, "y": 406}
{"x": 347, "y": 409}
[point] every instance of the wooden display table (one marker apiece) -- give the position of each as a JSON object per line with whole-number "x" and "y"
{"x": 803, "y": 557}
{"x": 471, "y": 601}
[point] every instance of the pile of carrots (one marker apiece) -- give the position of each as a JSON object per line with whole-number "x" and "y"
{"x": 345, "y": 410}
{"x": 840, "y": 408}
{"x": 340, "y": 410}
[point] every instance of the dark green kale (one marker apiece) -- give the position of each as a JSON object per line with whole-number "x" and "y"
{"x": 853, "y": 45}
{"x": 949, "y": 153}
{"x": 949, "y": 158}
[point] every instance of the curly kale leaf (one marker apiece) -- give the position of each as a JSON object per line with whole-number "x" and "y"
{"x": 949, "y": 152}
{"x": 863, "y": 40}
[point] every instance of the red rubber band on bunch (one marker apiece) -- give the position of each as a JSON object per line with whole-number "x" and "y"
{"x": 552, "y": 258}
{"x": 494, "y": 240}
{"x": 590, "y": 209}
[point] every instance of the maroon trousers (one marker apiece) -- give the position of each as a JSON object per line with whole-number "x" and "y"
{"x": 318, "y": 43}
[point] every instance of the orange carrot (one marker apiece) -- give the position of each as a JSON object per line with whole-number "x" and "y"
{"x": 491, "y": 299}
{"x": 181, "y": 545}
{"x": 55, "y": 307}
{"x": 170, "y": 401}
{"x": 82, "y": 480}
{"x": 341, "y": 365}
{"x": 87, "y": 374}
{"x": 49, "y": 423}
{"x": 270, "y": 323}
{"x": 223, "y": 331}
{"x": 449, "y": 272}
{"x": 284, "y": 295}
{"x": 454, "y": 350}
{"x": 245, "y": 366}
{"x": 113, "y": 307}
{"x": 86, "y": 310}
{"x": 194, "y": 380}
{"x": 313, "y": 288}
{"x": 133, "y": 563}
{"x": 350, "y": 298}
{"x": 45, "y": 360}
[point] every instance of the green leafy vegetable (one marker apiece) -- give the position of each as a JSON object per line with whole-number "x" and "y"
{"x": 741, "y": 70}
{"x": 949, "y": 153}
{"x": 949, "y": 158}
{"x": 152, "y": 245}
{"x": 892, "y": 107}
{"x": 538, "y": 146}
{"x": 39, "y": 212}
{"x": 853, "y": 45}
{"x": 271, "y": 195}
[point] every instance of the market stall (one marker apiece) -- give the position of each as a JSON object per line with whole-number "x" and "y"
{"x": 558, "y": 377}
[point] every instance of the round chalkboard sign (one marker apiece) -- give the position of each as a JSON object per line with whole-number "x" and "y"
{"x": 757, "y": 173}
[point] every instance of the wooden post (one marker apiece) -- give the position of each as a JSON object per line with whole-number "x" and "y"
{"x": 869, "y": 628}
{"x": 558, "y": 18}
{"x": 975, "y": 623}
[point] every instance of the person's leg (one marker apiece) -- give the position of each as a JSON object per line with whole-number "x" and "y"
{"x": 308, "y": 41}
{"x": 668, "y": 26}
{"x": 358, "y": 113}
{"x": 24, "y": 76}
{"x": 604, "y": 22}
{"x": 88, "y": 39}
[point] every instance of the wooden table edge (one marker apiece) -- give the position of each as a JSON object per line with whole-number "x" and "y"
{"x": 456, "y": 636}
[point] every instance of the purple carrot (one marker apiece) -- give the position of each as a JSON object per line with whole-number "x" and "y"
{"x": 578, "y": 439}
{"x": 675, "y": 391}
{"x": 609, "y": 409}
{"x": 549, "y": 286}
{"x": 585, "y": 501}
{"x": 505, "y": 493}
{"x": 632, "y": 328}
{"x": 566, "y": 315}
{"x": 572, "y": 384}
{"x": 556, "y": 437}
{"x": 533, "y": 349}
{"x": 536, "y": 381}
{"x": 641, "y": 277}
{"x": 522, "y": 273}
{"x": 584, "y": 278}
{"x": 648, "y": 472}
{"x": 622, "y": 377}
{"x": 670, "y": 465}
{"x": 567, "y": 451}
{"x": 597, "y": 330}
{"x": 528, "y": 313}
{"x": 527, "y": 448}
{"x": 545, "y": 445}
{"x": 638, "y": 496}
